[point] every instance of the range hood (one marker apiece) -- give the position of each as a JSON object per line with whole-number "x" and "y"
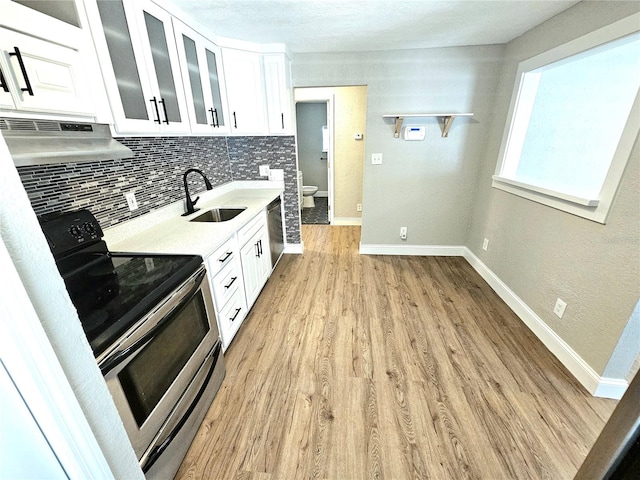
{"x": 41, "y": 142}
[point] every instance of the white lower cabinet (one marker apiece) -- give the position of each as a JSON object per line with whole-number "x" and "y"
{"x": 225, "y": 274}
{"x": 255, "y": 256}
{"x": 237, "y": 272}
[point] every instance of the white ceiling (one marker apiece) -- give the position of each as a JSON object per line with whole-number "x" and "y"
{"x": 368, "y": 25}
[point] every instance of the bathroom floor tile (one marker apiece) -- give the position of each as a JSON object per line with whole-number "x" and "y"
{"x": 319, "y": 215}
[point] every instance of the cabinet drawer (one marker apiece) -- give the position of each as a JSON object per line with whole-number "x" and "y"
{"x": 226, "y": 282}
{"x": 222, "y": 257}
{"x": 231, "y": 317}
{"x": 251, "y": 228}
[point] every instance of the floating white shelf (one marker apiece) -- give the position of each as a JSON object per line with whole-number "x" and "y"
{"x": 448, "y": 119}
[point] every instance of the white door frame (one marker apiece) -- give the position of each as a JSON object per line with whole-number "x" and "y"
{"x": 318, "y": 95}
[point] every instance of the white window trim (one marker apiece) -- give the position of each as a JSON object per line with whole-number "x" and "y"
{"x": 595, "y": 209}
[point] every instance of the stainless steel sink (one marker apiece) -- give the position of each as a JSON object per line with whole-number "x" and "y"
{"x": 218, "y": 215}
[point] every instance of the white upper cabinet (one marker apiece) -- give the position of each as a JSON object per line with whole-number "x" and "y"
{"x": 243, "y": 78}
{"x": 277, "y": 81}
{"x": 140, "y": 64}
{"x": 52, "y": 75}
{"x": 162, "y": 76}
{"x": 202, "y": 75}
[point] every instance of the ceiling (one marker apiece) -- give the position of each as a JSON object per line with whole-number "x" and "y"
{"x": 368, "y": 25}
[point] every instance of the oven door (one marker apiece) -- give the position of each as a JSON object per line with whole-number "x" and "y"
{"x": 151, "y": 367}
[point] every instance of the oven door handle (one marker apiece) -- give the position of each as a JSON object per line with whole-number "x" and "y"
{"x": 158, "y": 449}
{"x": 119, "y": 356}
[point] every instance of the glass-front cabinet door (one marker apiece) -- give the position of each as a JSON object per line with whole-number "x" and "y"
{"x": 202, "y": 78}
{"x": 143, "y": 80}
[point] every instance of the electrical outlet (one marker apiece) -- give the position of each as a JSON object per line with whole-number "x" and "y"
{"x": 376, "y": 159}
{"x": 403, "y": 233}
{"x": 485, "y": 244}
{"x": 131, "y": 201}
{"x": 359, "y": 207}
{"x": 559, "y": 308}
{"x": 264, "y": 170}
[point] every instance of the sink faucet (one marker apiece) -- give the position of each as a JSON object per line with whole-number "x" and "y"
{"x": 191, "y": 203}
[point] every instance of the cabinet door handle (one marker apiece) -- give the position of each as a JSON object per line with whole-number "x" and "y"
{"x": 213, "y": 118}
{"x": 260, "y": 247}
{"x": 155, "y": 105}
{"x": 257, "y": 250}
{"x": 236, "y": 315}
{"x": 16, "y": 53}
{"x": 282, "y": 116}
{"x": 217, "y": 120}
{"x": 3, "y": 82}
{"x": 235, "y": 123}
{"x": 164, "y": 109}
{"x": 224, "y": 259}
{"x": 233, "y": 279}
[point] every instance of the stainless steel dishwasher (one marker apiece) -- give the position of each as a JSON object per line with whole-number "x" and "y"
{"x": 276, "y": 237}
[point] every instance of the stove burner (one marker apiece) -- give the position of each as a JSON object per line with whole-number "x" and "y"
{"x": 141, "y": 276}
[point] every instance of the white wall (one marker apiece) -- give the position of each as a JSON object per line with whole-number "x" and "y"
{"x": 34, "y": 263}
{"x": 541, "y": 253}
{"x": 426, "y": 186}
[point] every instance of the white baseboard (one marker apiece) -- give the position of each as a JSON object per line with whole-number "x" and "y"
{"x": 421, "y": 250}
{"x": 611, "y": 388}
{"x": 346, "y": 221}
{"x": 295, "y": 248}
{"x": 581, "y": 370}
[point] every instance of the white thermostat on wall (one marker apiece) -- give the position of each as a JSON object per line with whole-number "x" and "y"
{"x": 413, "y": 133}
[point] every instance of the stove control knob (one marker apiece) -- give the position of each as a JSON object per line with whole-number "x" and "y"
{"x": 89, "y": 228}
{"x": 75, "y": 231}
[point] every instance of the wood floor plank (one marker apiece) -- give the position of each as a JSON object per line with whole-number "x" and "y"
{"x": 383, "y": 367}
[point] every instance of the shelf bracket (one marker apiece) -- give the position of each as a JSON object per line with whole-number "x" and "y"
{"x": 448, "y": 121}
{"x": 398, "y": 127}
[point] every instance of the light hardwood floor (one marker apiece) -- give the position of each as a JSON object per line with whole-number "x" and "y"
{"x": 353, "y": 367}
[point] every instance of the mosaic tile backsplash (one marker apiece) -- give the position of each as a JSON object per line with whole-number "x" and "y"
{"x": 155, "y": 174}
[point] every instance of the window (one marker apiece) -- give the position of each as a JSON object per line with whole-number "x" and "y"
{"x": 573, "y": 120}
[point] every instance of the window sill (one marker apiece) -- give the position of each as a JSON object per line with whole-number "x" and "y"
{"x": 592, "y": 209}
{"x": 585, "y": 202}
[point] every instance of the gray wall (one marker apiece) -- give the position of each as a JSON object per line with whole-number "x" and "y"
{"x": 441, "y": 188}
{"x": 310, "y": 117}
{"x": 542, "y": 253}
{"x": 426, "y": 186}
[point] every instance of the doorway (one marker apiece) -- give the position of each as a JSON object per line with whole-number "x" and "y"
{"x": 313, "y": 140}
{"x": 346, "y": 124}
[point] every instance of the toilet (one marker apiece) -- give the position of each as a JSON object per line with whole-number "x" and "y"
{"x": 307, "y": 196}
{"x": 305, "y": 193}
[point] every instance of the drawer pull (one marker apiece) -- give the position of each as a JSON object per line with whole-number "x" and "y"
{"x": 233, "y": 279}
{"x": 224, "y": 259}
{"x": 236, "y": 315}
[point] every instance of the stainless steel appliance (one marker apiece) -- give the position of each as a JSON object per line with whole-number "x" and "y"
{"x": 150, "y": 321}
{"x": 276, "y": 237}
{"x": 40, "y": 142}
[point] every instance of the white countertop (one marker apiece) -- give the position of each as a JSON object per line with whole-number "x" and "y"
{"x": 166, "y": 231}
